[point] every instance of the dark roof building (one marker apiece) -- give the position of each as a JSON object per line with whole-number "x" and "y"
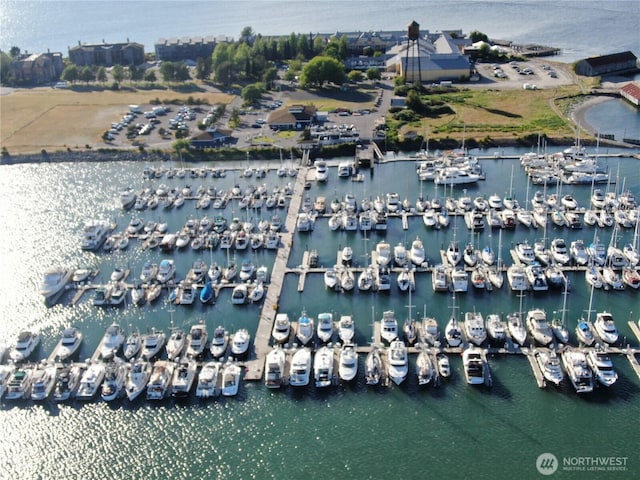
{"x": 37, "y": 68}
{"x": 631, "y": 92}
{"x": 296, "y": 117}
{"x": 107, "y": 54}
{"x": 606, "y": 64}
{"x": 187, "y": 48}
{"x": 211, "y": 138}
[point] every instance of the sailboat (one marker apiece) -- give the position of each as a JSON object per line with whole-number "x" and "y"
{"x": 516, "y": 326}
{"x": 584, "y": 329}
{"x": 495, "y": 275}
{"x": 557, "y": 324}
{"x": 453, "y": 333}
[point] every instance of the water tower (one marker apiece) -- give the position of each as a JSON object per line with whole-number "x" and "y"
{"x": 413, "y": 52}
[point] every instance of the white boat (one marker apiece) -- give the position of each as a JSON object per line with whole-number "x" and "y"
{"x": 176, "y": 343}
{"x": 559, "y": 251}
{"x": 383, "y": 253}
{"x": 152, "y": 343}
{"x": 54, "y": 282}
{"x": 454, "y": 176}
{"x": 240, "y": 343}
{"x": 549, "y": 364}
{"x": 115, "y": 379}
{"x": 366, "y": 279}
{"x": 300, "y": 369}
{"x": 584, "y": 332}
{"x": 631, "y": 277}
{"x": 322, "y": 172}
{"x": 305, "y": 329}
{"x": 160, "y": 380}
{"x": 67, "y": 382}
{"x": 323, "y": 367}
{"x": 346, "y": 328}
{"x": 602, "y": 367}
{"x": 453, "y": 253}
{"x": 281, "y": 328}
{"x": 19, "y": 383}
{"x": 444, "y": 368}
{"x": 404, "y": 280}
{"x": 197, "y": 339}
{"x": 539, "y": 327}
{"x": 397, "y": 361}
{"x": 207, "y": 380}
{"x": 459, "y": 279}
{"x": 240, "y": 294}
{"x": 425, "y": 370}
{"x": 474, "y": 328}
{"x": 517, "y": 278}
{"x": 536, "y": 277}
{"x": 524, "y": 252}
{"x": 184, "y": 376}
{"x": 373, "y": 366}
{"x": 439, "y": 278}
{"x": 132, "y": 345}
{"x": 25, "y": 345}
{"x": 347, "y": 362}
{"x": 400, "y": 255}
{"x": 95, "y": 232}
{"x": 476, "y": 367}
{"x": 43, "y": 381}
{"x": 274, "y": 368}
{"x": 605, "y": 327}
{"x": 331, "y": 278}
{"x": 417, "y": 254}
{"x": 166, "y": 270}
{"x": 91, "y": 381}
{"x": 578, "y": 252}
{"x": 575, "y": 364}
{"x": 325, "y": 326}
{"x": 516, "y": 328}
{"x": 111, "y": 341}
{"x": 137, "y": 378}
{"x": 68, "y": 344}
{"x": 347, "y": 279}
{"x": 388, "y": 326}
{"x": 496, "y": 328}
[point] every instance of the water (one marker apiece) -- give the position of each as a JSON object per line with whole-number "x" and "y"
{"x": 617, "y": 117}
{"x": 263, "y": 433}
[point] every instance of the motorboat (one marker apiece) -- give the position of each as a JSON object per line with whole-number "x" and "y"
{"x": 184, "y": 376}
{"x": 366, "y": 279}
{"x": 331, "y": 278}
{"x": 25, "y": 346}
{"x": 132, "y": 345}
{"x": 348, "y": 362}
{"x": 176, "y": 343}
{"x": 383, "y": 253}
{"x": 425, "y": 370}
{"x": 67, "y": 382}
{"x": 455, "y": 176}
{"x": 443, "y": 365}
{"x": 593, "y": 277}
{"x": 602, "y": 367}
{"x": 219, "y": 342}
{"x": 19, "y": 383}
{"x": 605, "y": 327}
{"x": 152, "y": 343}
{"x": 323, "y": 367}
{"x": 439, "y": 278}
{"x": 69, "y": 343}
{"x": 580, "y": 375}
{"x": 517, "y": 278}
{"x": 300, "y": 369}
{"x": 166, "y": 270}
{"x": 496, "y": 328}
{"x": 474, "y": 328}
{"x": 516, "y": 328}
{"x": 397, "y": 361}
{"x": 469, "y": 255}
{"x": 400, "y": 255}
{"x": 388, "y": 326}
{"x": 347, "y": 279}
{"x": 240, "y": 343}
{"x": 274, "y": 367}
{"x": 160, "y": 380}
{"x": 555, "y": 276}
{"x": 149, "y": 272}
{"x": 54, "y": 282}
{"x": 305, "y": 330}
{"x": 631, "y": 277}
{"x": 137, "y": 378}
{"x": 549, "y": 364}
{"x": 321, "y": 170}
{"x": 197, "y": 339}
{"x": 111, "y": 341}
{"x": 578, "y": 252}
{"x": 207, "y": 380}
{"x": 453, "y": 333}
{"x": 94, "y": 234}
{"x": 281, "y": 328}
{"x": 539, "y": 327}
{"x": 43, "y": 381}
{"x": 91, "y": 381}
{"x": 346, "y": 328}
{"x": 559, "y": 251}
{"x": 325, "y": 327}
{"x": 536, "y": 277}
{"x": 417, "y": 254}
{"x": 240, "y": 294}
{"x": 404, "y": 280}
{"x": 115, "y": 378}
{"x": 476, "y": 367}
{"x": 525, "y": 253}
{"x": 459, "y": 279}
{"x": 453, "y": 253}
{"x": 373, "y": 366}
{"x": 584, "y": 332}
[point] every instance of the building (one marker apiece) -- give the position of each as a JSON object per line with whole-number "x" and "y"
{"x": 107, "y": 54}
{"x": 631, "y": 92}
{"x": 187, "y": 48}
{"x": 296, "y": 117}
{"x": 37, "y": 68}
{"x": 211, "y": 138}
{"x": 622, "y": 62}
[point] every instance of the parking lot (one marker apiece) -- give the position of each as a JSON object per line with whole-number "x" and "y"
{"x": 536, "y": 73}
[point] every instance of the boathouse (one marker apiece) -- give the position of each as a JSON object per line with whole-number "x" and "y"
{"x": 631, "y": 93}
{"x": 211, "y": 138}
{"x": 622, "y": 62}
{"x": 295, "y": 117}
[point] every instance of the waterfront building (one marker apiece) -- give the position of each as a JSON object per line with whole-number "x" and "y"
{"x": 621, "y": 62}
{"x": 107, "y": 54}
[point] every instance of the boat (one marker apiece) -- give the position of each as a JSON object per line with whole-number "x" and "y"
{"x": 281, "y": 328}
{"x": 166, "y": 270}
{"x": 323, "y": 367}
{"x": 439, "y": 278}
{"x": 383, "y": 253}
{"x": 305, "y": 330}
{"x": 183, "y": 377}
{"x": 476, "y": 367}
{"x": 67, "y": 382}
{"x": 496, "y": 328}
{"x": 19, "y": 383}
{"x": 549, "y": 364}
{"x": 240, "y": 294}
{"x": 240, "y": 343}
{"x": 558, "y": 326}
{"x": 578, "y": 252}
{"x": 388, "y": 326}
{"x": 219, "y": 342}
{"x": 325, "y": 327}
{"x": 68, "y": 345}
{"x": 536, "y": 277}
{"x": 455, "y": 176}
{"x": 274, "y": 367}
{"x": 444, "y": 368}
{"x": 417, "y": 254}
{"x": 94, "y": 234}
{"x": 91, "y": 381}
{"x": 425, "y": 370}
{"x": 54, "y": 282}
{"x": 347, "y": 362}
{"x": 197, "y": 339}
{"x": 152, "y": 343}
{"x": 132, "y": 345}
{"x": 580, "y": 375}
{"x": 115, "y": 378}
{"x": 111, "y": 341}
{"x": 346, "y": 328}
{"x": 524, "y": 252}
{"x": 43, "y": 380}
{"x": 331, "y": 278}
{"x": 300, "y": 369}
{"x": 474, "y": 328}
{"x": 584, "y": 332}
{"x": 160, "y": 380}
{"x": 397, "y": 361}
{"x": 321, "y": 170}
{"x": 539, "y": 327}
{"x": 516, "y": 327}
{"x": 559, "y": 251}
{"x": 517, "y": 278}
{"x": 137, "y": 378}
{"x": 631, "y": 277}
{"x": 366, "y": 279}
{"x": 459, "y": 279}
{"x": 602, "y": 367}
{"x": 25, "y": 346}
{"x": 453, "y": 253}
{"x": 207, "y": 380}
{"x": 452, "y": 331}
{"x": 127, "y": 197}
{"x": 605, "y": 327}
{"x": 373, "y": 366}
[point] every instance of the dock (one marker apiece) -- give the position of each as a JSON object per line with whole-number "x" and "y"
{"x": 537, "y": 373}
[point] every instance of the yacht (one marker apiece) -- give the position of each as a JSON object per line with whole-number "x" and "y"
{"x": 207, "y": 380}
{"x": 111, "y": 341}
{"x": 322, "y": 172}
{"x": 274, "y": 368}
{"x": 115, "y": 378}
{"x": 584, "y": 332}
{"x": 240, "y": 294}
{"x": 152, "y": 343}
{"x": 132, "y": 345}
{"x": 325, "y": 327}
{"x": 149, "y": 272}
{"x": 19, "y": 383}
{"x": 300, "y": 370}
{"x": 67, "y": 382}
{"x": 578, "y": 252}
{"x": 373, "y": 366}
{"x": 383, "y": 253}
{"x": 416, "y": 253}
{"x": 400, "y": 256}
{"x": 516, "y": 328}
{"x": 305, "y": 330}
{"x": 459, "y": 279}
{"x": 68, "y": 344}
{"x": 559, "y": 251}
{"x": 549, "y": 364}
{"x": 25, "y": 345}
{"x": 496, "y": 328}
{"x": 539, "y": 327}
{"x": 439, "y": 278}
{"x": 397, "y": 361}
{"x": 536, "y": 277}
{"x": 575, "y": 364}
{"x": 452, "y": 332}
{"x": 430, "y": 330}
{"x": 389, "y": 326}
{"x": 517, "y": 278}
{"x": 91, "y": 381}
{"x": 424, "y": 368}
{"x": 455, "y": 176}
{"x": 137, "y": 378}
{"x": 219, "y": 342}
{"x": 43, "y": 381}
{"x": 602, "y": 367}
{"x": 323, "y": 367}
{"x": 183, "y": 377}
{"x": 160, "y": 380}
{"x": 524, "y": 252}
{"x": 605, "y": 327}
{"x": 444, "y": 368}
{"x": 230, "y": 379}
{"x": 348, "y": 362}
{"x": 166, "y": 270}
{"x": 331, "y": 278}
{"x": 346, "y": 328}
{"x": 197, "y": 339}
{"x": 54, "y": 282}
{"x": 95, "y": 232}
{"x": 476, "y": 367}
{"x": 474, "y": 328}
{"x": 281, "y": 328}
{"x": 176, "y": 343}
{"x": 240, "y": 343}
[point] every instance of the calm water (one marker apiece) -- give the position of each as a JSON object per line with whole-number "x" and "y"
{"x": 337, "y": 433}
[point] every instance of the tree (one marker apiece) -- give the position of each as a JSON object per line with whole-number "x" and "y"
{"x": 225, "y": 73}
{"x": 252, "y": 93}
{"x": 14, "y": 52}
{"x": 150, "y": 76}
{"x": 246, "y": 35}
{"x": 222, "y": 53}
{"x": 269, "y": 76}
{"x": 234, "y": 118}
{"x": 181, "y": 73}
{"x": 355, "y": 76}
{"x": 117, "y": 72}
{"x": 70, "y": 73}
{"x": 5, "y": 68}
{"x": 320, "y": 70}
{"x": 86, "y": 74}
{"x": 203, "y": 68}
{"x": 168, "y": 71}
{"x": 373, "y": 73}
{"x": 101, "y": 75}
{"x": 478, "y": 37}
{"x": 135, "y": 73}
